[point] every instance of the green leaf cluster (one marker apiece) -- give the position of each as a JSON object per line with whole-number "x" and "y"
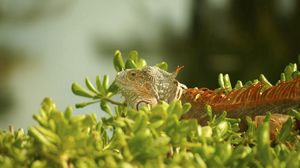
{"x": 153, "y": 137}
{"x": 290, "y": 72}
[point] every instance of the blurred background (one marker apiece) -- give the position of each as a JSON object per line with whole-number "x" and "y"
{"x": 46, "y": 45}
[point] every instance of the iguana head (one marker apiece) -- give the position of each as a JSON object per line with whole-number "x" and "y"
{"x": 148, "y": 85}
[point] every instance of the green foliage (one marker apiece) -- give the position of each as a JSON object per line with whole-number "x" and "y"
{"x": 150, "y": 137}
{"x": 153, "y": 137}
{"x": 224, "y": 82}
{"x": 290, "y": 72}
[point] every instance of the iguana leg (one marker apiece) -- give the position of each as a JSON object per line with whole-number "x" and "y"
{"x": 276, "y": 123}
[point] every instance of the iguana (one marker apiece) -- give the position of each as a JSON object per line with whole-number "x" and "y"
{"x": 151, "y": 84}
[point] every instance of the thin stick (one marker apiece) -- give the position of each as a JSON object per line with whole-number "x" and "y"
{"x": 11, "y": 129}
{"x": 113, "y": 102}
{"x": 110, "y": 100}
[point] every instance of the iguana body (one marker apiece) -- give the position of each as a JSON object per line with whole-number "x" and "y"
{"x": 151, "y": 84}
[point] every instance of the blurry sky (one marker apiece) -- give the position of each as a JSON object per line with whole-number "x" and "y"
{"x": 56, "y": 49}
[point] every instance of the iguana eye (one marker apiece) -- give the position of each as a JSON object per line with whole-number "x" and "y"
{"x": 132, "y": 73}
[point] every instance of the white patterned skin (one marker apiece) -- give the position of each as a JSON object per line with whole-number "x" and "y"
{"x": 148, "y": 85}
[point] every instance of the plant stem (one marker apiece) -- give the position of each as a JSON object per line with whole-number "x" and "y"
{"x": 110, "y": 100}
